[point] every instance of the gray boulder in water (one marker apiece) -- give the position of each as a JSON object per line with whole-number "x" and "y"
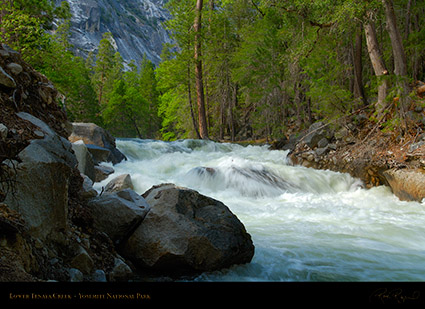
{"x": 91, "y": 134}
{"x": 186, "y": 232}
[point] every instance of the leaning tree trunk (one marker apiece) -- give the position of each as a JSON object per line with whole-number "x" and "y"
{"x": 203, "y": 129}
{"x": 400, "y": 63}
{"x": 379, "y": 67}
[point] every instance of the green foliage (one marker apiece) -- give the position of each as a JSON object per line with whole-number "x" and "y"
{"x": 71, "y": 77}
{"x": 25, "y": 29}
{"x": 270, "y": 65}
{"x": 25, "y": 33}
{"x": 97, "y": 89}
{"x": 107, "y": 66}
{"x": 173, "y": 107}
{"x": 131, "y": 105}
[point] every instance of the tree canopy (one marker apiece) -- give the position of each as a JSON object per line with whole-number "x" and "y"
{"x": 272, "y": 65}
{"x": 236, "y": 69}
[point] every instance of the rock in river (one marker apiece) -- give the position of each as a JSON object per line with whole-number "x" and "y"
{"x": 186, "y": 232}
{"x": 407, "y": 184}
{"x": 91, "y": 134}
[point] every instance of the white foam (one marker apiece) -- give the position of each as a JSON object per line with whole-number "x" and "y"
{"x": 307, "y": 225}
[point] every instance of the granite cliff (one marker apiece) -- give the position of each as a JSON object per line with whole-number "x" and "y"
{"x": 136, "y": 26}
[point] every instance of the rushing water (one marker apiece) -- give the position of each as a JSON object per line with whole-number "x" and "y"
{"x": 306, "y": 225}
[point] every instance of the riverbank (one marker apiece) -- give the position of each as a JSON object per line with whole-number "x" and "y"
{"x": 365, "y": 150}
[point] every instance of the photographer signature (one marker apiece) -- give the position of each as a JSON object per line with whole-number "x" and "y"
{"x": 397, "y": 295}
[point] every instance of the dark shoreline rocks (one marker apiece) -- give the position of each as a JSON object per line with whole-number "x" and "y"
{"x": 196, "y": 233}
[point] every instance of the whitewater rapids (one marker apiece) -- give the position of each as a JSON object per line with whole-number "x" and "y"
{"x": 306, "y": 225}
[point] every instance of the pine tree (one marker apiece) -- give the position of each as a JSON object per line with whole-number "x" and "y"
{"x": 103, "y": 68}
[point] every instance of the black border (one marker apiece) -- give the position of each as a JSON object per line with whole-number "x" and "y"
{"x": 213, "y": 293}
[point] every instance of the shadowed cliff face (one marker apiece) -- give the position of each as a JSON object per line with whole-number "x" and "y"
{"x": 135, "y": 25}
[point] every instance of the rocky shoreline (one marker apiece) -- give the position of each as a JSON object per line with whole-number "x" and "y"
{"x": 357, "y": 148}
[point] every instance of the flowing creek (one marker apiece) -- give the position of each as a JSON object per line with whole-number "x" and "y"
{"x": 306, "y": 225}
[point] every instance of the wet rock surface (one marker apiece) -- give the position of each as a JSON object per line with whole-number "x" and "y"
{"x": 186, "y": 232}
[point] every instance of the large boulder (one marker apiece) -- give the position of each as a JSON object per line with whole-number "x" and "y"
{"x": 91, "y": 134}
{"x": 119, "y": 213}
{"x": 41, "y": 181}
{"x": 186, "y": 232}
{"x": 407, "y": 184}
{"x": 85, "y": 160}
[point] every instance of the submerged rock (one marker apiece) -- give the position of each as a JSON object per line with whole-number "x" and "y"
{"x": 186, "y": 232}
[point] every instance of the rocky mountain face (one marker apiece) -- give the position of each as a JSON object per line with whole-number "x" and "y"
{"x": 136, "y": 26}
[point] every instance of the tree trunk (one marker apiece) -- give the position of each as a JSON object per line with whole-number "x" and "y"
{"x": 297, "y": 100}
{"x": 417, "y": 68}
{"x": 189, "y": 94}
{"x": 222, "y": 118}
{"x": 233, "y": 106}
{"x": 358, "y": 68}
{"x": 400, "y": 63}
{"x": 407, "y": 20}
{"x": 102, "y": 82}
{"x": 203, "y": 129}
{"x": 310, "y": 118}
{"x": 137, "y": 128}
{"x": 378, "y": 66}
